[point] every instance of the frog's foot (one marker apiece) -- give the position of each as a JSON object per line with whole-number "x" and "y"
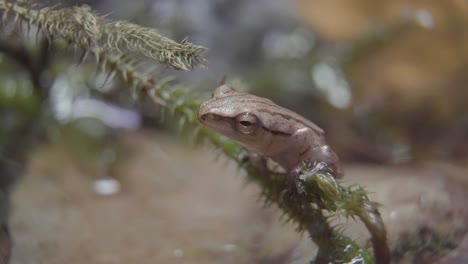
{"x": 319, "y": 167}
{"x": 296, "y": 181}
{"x": 291, "y": 188}
{"x": 293, "y": 185}
{"x": 314, "y": 168}
{"x": 300, "y": 187}
{"x": 297, "y": 177}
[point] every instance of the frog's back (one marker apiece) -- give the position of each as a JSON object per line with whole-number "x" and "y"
{"x": 231, "y": 102}
{"x": 265, "y": 105}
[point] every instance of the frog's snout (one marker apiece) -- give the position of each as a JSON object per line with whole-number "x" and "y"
{"x": 202, "y": 112}
{"x": 202, "y": 117}
{"x": 205, "y": 113}
{"x": 207, "y": 116}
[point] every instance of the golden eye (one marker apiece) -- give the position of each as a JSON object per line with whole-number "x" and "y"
{"x": 247, "y": 123}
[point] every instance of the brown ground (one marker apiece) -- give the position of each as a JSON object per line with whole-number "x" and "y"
{"x": 177, "y": 205}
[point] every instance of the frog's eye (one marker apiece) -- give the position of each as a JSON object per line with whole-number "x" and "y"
{"x": 247, "y": 123}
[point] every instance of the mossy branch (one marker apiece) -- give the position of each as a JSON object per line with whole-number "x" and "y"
{"x": 81, "y": 27}
{"x": 321, "y": 190}
{"x": 108, "y": 40}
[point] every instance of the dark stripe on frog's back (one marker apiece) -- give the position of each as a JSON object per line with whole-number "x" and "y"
{"x": 277, "y": 133}
{"x": 286, "y": 113}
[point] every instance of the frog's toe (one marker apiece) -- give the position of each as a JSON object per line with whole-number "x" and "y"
{"x": 300, "y": 187}
{"x": 320, "y": 166}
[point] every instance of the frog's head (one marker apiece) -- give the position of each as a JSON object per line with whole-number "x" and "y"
{"x": 232, "y": 114}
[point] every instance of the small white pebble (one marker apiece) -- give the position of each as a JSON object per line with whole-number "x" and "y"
{"x": 230, "y": 247}
{"x": 106, "y": 186}
{"x": 178, "y": 253}
{"x": 424, "y": 18}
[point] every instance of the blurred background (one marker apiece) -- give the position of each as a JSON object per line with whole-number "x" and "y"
{"x": 100, "y": 180}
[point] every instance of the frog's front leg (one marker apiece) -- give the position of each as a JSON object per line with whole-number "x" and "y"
{"x": 295, "y": 181}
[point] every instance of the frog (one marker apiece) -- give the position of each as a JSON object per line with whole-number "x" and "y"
{"x": 268, "y": 131}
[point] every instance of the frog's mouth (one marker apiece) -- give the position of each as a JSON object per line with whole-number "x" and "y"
{"x": 217, "y": 123}
{"x": 209, "y": 117}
